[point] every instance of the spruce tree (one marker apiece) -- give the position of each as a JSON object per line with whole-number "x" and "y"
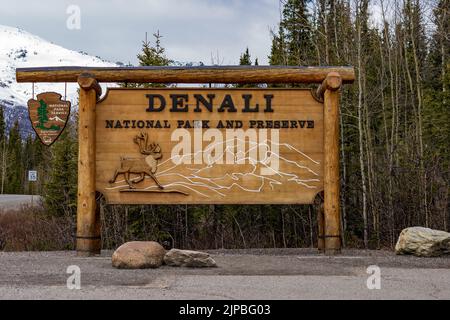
{"x": 4, "y": 163}
{"x": 297, "y": 28}
{"x": 437, "y": 64}
{"x": 28, "y": 161}
{"x": 153, "y": 56}
{"x": 278, "y": 54}
{"x": 60, "y": 194}
{"x": 2, "y": 124}
{"x": 245, "y": 59}
{"x": 437, "y": 88}
{"x": 41, "y": 162}
{"x": 15, "y": 172}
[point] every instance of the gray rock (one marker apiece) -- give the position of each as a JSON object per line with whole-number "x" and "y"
{"x": 138, "y": 255}
{"x": 423, "y": 242}
{"x": 191, "y": 259}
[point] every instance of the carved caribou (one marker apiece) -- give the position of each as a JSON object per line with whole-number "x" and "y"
{"x": 143, "y": 167}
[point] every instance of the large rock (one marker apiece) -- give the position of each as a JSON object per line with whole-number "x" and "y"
{"x": 186, "y": 258}
{"x": 138, "y": 255}
{"x": 423, "y": 242}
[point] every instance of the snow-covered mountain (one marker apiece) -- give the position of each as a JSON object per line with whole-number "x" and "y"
{"x": 19, "y": 49}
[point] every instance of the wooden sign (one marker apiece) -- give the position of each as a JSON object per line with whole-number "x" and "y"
{"x": 203, "y": 146}
{"x": 48, "y": 115}
{"x": 209, "y": 146}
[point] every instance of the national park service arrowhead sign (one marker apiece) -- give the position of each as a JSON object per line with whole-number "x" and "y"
{"x": 48, "y": 115}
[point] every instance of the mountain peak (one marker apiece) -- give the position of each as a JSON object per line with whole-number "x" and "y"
{"x": 21, "y": 49}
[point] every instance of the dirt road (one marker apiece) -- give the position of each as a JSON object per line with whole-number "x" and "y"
{"x": 13, "y": 202}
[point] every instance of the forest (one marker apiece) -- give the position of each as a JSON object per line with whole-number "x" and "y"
{"x": 394, "y": 144}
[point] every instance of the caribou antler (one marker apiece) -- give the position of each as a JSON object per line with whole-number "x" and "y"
{"x": 142, "y": 141}
{"x": 151, "y": 149}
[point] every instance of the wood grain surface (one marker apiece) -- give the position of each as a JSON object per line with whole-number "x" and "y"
{"x": 299, "y": 173}
{"x": 219, "y": 74}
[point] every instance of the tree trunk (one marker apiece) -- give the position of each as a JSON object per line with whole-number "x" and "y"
{"x": 361, "y": 134}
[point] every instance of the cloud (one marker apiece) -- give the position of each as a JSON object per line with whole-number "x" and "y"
{"x": 192, "y": 30}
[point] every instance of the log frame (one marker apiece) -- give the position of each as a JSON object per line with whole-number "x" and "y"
{"x": 88, "y": 214}
{"x": 214, "y": 74}
{"x": 319, "y": 209}
{"x": 332, "y": 221}
{"x": 332, "y": 82}
{"x": 87, "y": 81}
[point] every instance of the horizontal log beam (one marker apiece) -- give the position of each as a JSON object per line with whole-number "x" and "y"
{"x": 219, "y": 74}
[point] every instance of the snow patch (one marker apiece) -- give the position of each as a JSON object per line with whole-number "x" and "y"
{"x": 21, "y": 49}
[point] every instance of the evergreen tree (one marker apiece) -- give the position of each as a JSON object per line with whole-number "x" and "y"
{"x": 153, "y": 55}
{"x": 278, "y": 54}
{"x": 41, "y": 162}
{"x": 414, "y": 31}
{"x": 245, "y": 59}
{"x": 437, "y": 91}
{"x": 60, "y": 194}
{"x": 296, "y": 24}
{"x": 2, "y": 124}
{"x": 439, "y": 48}
{"x": 28, "y": 161}
{"x": 3, "y": 151}
{"x": 15, "y": 172}
{"x": 293, "y": 44}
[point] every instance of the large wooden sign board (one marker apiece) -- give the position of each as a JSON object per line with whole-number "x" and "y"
{"x": 203, "y": 146}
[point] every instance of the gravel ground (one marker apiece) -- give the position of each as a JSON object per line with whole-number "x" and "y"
{"x": 242, "y": 274}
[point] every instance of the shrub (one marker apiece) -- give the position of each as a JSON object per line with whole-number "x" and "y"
{"x": 31, "y": 229}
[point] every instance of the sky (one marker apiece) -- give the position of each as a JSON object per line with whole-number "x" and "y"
{"x": 208, "y": 31}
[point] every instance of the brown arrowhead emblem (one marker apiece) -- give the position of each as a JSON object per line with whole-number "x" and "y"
{"x": 48, "y": 116}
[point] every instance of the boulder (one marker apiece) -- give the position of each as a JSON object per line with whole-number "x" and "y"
{"x": 138, "y": 255}
{"x": 423, "y": 242}
{"x": 191, "y": 259}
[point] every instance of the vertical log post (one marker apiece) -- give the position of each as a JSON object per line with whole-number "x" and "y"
{"x": 330, "y": 91}
{"x": 88, "y": 222}
{"x": 320, "y": 223}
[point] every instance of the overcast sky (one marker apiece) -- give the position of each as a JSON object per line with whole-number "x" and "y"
{"x": 193, "y": 30}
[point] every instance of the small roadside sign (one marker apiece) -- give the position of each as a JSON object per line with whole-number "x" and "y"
{"x": 32, "y": 176}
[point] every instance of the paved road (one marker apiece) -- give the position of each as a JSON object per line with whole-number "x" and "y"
{"x": 13, "y": 202}
{"x": 278, "y": 274}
